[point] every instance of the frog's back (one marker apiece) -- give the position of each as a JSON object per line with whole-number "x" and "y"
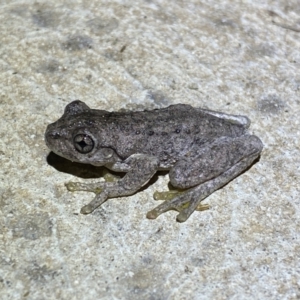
{"x": 167, "y": 133}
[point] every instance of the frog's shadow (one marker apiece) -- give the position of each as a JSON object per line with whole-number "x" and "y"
{"x": 87, "y": 171}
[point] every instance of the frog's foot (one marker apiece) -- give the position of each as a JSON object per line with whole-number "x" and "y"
{"x": 92, "y": 187}
{"x": 96, "y": 202}
{"x": 142, "y": 168}
{"x": 185, "y": 202}
{"x": 108, "y": 177}
{"x": 169, "y": 195}
{"x": 86, "y": 187}
{"x": 98, "y": 188}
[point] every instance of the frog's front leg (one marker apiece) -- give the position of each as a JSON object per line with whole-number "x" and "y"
{"x": 211, "y": 168}
{"x": 140, "y": 168}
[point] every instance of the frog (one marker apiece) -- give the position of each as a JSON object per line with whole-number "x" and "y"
{"x": 201, "y": 149}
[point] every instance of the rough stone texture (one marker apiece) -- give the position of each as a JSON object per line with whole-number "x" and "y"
{"x": 230, "y": 56}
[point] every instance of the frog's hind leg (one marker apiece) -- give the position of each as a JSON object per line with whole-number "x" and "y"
{"x": 187, "y": 202}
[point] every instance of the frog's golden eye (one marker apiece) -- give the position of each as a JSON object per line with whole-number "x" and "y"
{"x": 83, "y": 143}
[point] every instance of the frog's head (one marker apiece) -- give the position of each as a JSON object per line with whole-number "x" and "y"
{"x": 76, "y": 136}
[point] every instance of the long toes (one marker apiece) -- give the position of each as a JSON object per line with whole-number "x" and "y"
{"x": 178, "y": 203}
{"x": 185, "y": 213}
{"x": 87, "y": 209}
{"x": 167, "y": 196}
{"x": 108, "y": 177}
{"x": 183, "y": 202}
{"x": 160, "y": 209}
{"x": 72, "y": 186}
{"x": 202, "y": 207}
{"x": 182, "y": 217}
{"x": 152, "y": 214}
{"x": 90, "y": 187}
{"x": 96, "y": 202}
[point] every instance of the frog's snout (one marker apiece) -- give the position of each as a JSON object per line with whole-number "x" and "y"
{"x": 51, "y": 135}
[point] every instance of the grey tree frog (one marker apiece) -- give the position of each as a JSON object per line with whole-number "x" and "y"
{"x": 202, "y": 149}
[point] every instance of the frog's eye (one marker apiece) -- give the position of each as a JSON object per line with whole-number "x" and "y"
{"x": 83, "y": 143}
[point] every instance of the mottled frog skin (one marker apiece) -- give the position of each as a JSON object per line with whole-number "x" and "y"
{"x": 202, "y": 149}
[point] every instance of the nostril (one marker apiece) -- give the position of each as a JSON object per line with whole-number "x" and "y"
{"x": 54, "y": 135}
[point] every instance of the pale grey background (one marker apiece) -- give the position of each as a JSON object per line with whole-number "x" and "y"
{"x": 239, "y": 57}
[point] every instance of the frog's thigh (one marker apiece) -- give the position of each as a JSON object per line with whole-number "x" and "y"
{"x": 210, "y": 160}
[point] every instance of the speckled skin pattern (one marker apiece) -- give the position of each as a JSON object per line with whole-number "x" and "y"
{"x": 202, "y": 149}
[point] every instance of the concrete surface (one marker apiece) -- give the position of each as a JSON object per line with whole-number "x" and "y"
{"x": 239, "y": 57}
